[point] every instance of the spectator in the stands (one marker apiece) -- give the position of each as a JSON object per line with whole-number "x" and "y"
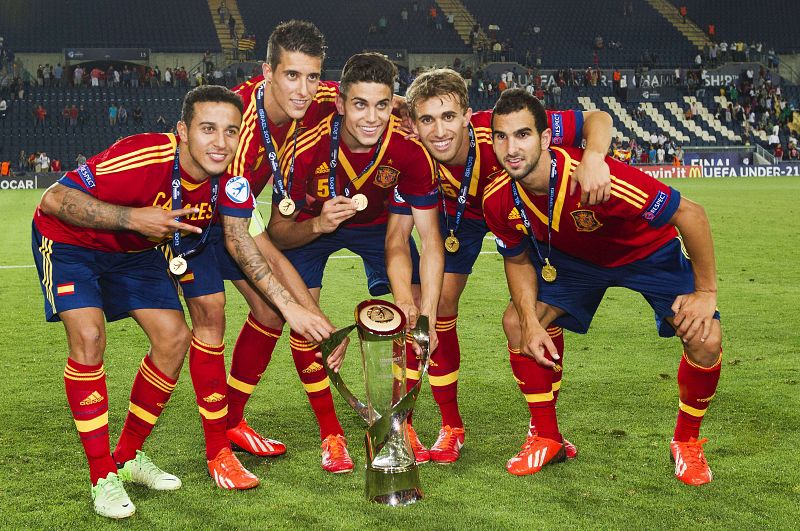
{"x": 95, "y": 76}
{"x": 652, "y": 153}
{"x": 22, "y": 161}
{"x": 113, "y": 110}
{"x": 55, "y": 165}
{"x": 682, "y": 10}
{"x": 793, "y": 153}
{"x": 126, "y": 76}
{"x": 39, "y": 116}
{"x": 122, "y": 115}
{"x": 222, "y": 11}
{"x": 404, "y": 15}
{"x": 161, "y": 124}
{"x": 58, "y": 75}
{"x": 168, "y": 77}
{"x": 80, "y": 160}
{"x": 43, "y": 162}
{"x": 660, "y": 154}
{"x": 73, "y": 116}
{"x": 778, "y": 151}
{"x": 77, "y": 76}
{"x": 3, "y": 108}
{"x": 232, "y": 26}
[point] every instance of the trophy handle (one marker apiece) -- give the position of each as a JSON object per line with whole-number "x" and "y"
{"x": 364, "y": 411}
{"x": 381, "y": 428}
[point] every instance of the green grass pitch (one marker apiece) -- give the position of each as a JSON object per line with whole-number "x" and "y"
{"x": 618, "y": 404}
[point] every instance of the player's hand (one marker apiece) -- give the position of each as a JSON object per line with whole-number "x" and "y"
{"x": 311, "y": 325}
{"x": 694, "y": 313}
{"x": 536, "y": 343}
{"x": 594, "y": 177}
{"x": 401, "y": 110}
{"x": 411, "y": 312}
{"x": 334, "y": 212}
{"x": 155, "y": 222}
{"x": 336, "y": 357}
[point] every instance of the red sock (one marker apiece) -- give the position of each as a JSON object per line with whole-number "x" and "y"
{"x": 251, "y": 355}
{"x": 88, "y": 401}
{"x": 207, "y": 367}
{"x": 536, "y": 384}
{"x": 316, "y": 383}
{"x": 150, "y": 392}
{"x": 696, "y": 387}
{"x": 412, "y": 369}
{"x": 443, "y": 372}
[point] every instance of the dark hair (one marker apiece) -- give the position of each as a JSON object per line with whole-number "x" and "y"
{"x": 368, "y": 67}
{"x": 295, "y": 36}
{"x": 441, "y": 82}
{"x": 516, "y": 99}
{"x": 204, "y": 93}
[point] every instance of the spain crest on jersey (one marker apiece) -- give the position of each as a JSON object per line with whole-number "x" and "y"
{"x": 386, "y": 176}
{"x": 585, "y": 220}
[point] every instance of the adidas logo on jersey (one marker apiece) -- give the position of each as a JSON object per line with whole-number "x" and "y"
{"x": 322, "y": 169}
{"x": 94, "y": 398}
{"x": 214, "y": 397}
{"x": 314, "y": 367}
{"x": 514, "y": 214}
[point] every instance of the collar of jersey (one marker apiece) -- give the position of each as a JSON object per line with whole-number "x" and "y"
{"x": 565, "y": 170}
{"x": 348, "y": 168}
{"x": 476, "y": 168}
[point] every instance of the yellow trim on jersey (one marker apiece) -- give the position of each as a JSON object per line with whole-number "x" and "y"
{"x": 411, "y": 374}
{"x": 122, "y": 161}
{"x": 441, "y": 381}
{"x": 556, "y": 386}
{"x": 352, "y": 175}
{"x": 240, "y": 385}
{"x": 534, "y": 398}
{"x": 142, "y": 414}
{"x": 560, "y": 197}
{"x": 92, "y": 424}
{"x": 476, "y": 170}
{"x": 166, "y": 158}
{"x": 305, "y": 141}
{"x": 249, "y": 120}
{"x": 691, "y": 410}
{"x": 628, "y": 188}
{"x": 317, "y": 386}
{"x": 213, "y": 415}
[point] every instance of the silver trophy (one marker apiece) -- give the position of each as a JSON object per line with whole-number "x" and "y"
{"x": 392, "y": 477}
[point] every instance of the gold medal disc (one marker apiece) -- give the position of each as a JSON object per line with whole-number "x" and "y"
{"x": 178, "y": 265}
{"x": 286, "y": 206}
{"x": 360, "y": 202}
{"x": 549, "y": 272}
{"x": 451, "y": 243}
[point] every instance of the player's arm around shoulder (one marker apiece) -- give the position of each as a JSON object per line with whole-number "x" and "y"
{"x": 593, "y": 173}
{"x": 694, "y": 312}
{"x": 81, "y": 209}
{"x": 431, "y": 260}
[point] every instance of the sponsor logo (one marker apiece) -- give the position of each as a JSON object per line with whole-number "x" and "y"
{"x": 386, "y": 176}
{"x": 322, "y": 169}
{"x": 314, "y": 367}
{"x": 585, "y": 220}
{"x": 397, "y": 197}
{"x": 86, "y": 176}
{"x": 514, "y": 214}
{"x": 557, "y": 368}
{"x": 706, "y": 400}
{"x": 214, "y": 397}
{"x": 558, "y": 129}
{"x": 655, "y": 207}
{"x": 94, "y": 398}
{"x": 695, "y": 172}
{"x": 237, "y": 189}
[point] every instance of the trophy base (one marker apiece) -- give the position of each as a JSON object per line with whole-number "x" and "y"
{"x": 394, "y": 488}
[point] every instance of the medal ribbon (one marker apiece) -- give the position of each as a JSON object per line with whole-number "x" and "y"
{"x": 282, "y": 188}
{"x": 551, "y": 197}
{"x": 336, "y": 131}
{"x": 177, "y": 204}
{"x": 465, "y": 180}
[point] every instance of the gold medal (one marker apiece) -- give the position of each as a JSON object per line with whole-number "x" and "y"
{"x": 286, "y": 206}
{"x": 548, "y": 271}
{"x": 178, "y": 265}
{"x": 360, "y": 202}
{"x": 451, "y": 243}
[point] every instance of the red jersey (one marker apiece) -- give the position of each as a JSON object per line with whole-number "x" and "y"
{"x": 628, "y": 227}
{"x": 137, "y": 172}
{"x": 400, "y": 163}
{"x": 567, "y": 127}
{"x": 250, "y": 161}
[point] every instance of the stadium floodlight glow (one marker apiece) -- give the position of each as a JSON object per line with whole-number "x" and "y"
{"x": 392, "y": 476}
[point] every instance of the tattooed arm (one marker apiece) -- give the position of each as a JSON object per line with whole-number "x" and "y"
{"x": 261, "y": 271}
{"x": 82, "y": 210}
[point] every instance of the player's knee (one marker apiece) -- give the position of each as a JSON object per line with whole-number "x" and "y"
{"x": 88, "y": 345}
{"x": 705, "y": 353}
{"x": 208, "y": 316}
{"x": 510, "y": 322}
{"x": 267, "y": 316}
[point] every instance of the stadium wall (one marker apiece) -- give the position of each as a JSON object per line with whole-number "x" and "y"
{"x": 426, "y": 60}
{"x": 161, "y": 59}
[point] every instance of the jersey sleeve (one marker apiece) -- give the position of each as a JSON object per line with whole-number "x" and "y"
{"x": 398, "y": 205}
{"x": 417, "y": 185}
{"x": 639, "y": 195}
{"x": 236, "y": 198}
{"x": 567, "y": 127}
